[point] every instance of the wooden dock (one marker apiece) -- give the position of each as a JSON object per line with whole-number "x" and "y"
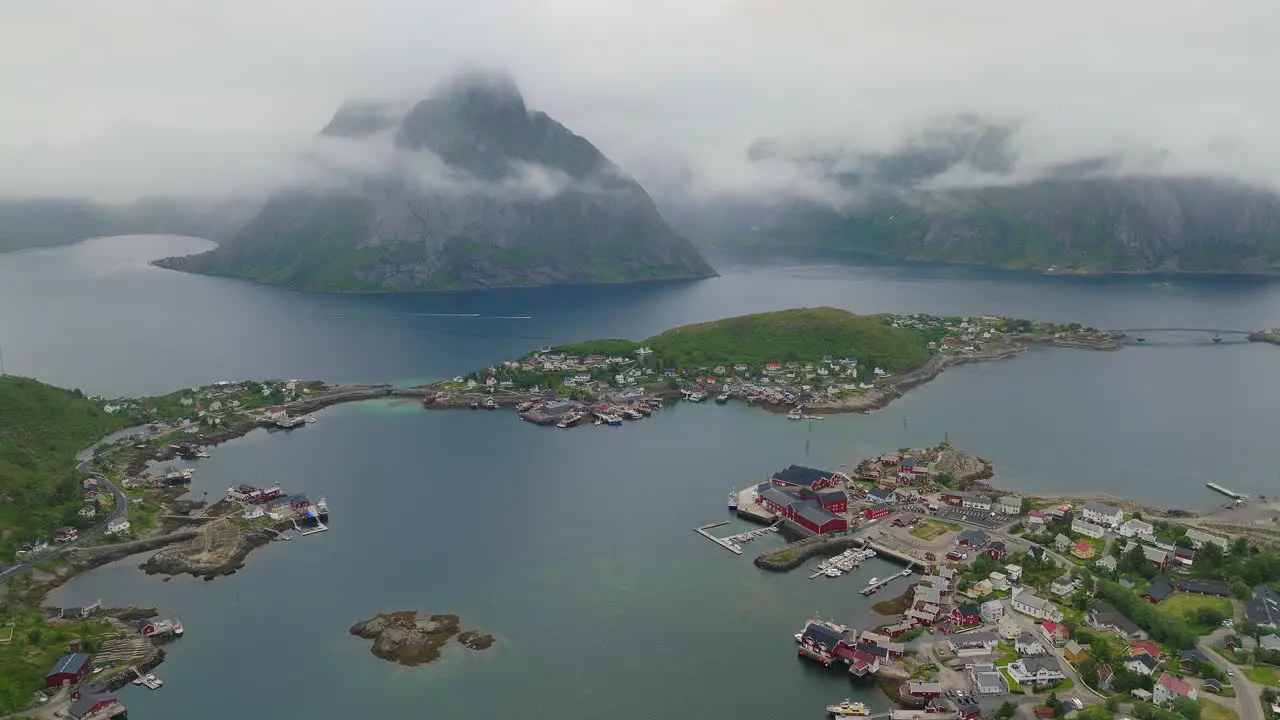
{"x": 1229, "y": 493}
{"x": 150, "y": 682}
{"x": 722, "y": 542}
{"x": 868, "y": 590}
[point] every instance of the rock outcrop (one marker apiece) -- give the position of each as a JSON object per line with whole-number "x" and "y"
{"x": 410, "y": 638}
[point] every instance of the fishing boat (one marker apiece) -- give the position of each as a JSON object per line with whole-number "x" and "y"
{"x": 848, "y": 709}
{"x": 697, "y": 396}
{"x": 177, "y": 628}
{"x": 322, "y": 509}
{"x": 795, "y": 414}
{"x": 874, "y": 580}
{"x": 733, "y": 499}
{"x": 722, "y": 398}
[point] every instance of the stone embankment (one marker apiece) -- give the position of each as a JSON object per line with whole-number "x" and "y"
{"x": 409, "y": 638}
{"x": 794, "y": 554}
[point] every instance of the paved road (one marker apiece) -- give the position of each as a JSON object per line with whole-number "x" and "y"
{"x": 1248, "y": 693}
{"x": 29, "y": 563}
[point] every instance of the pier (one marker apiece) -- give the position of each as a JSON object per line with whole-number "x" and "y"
{"x": 319, "y": 528}
{"x": 872, "y": 588}
{"x": 722, "y": 542}
{"x": 151, "y": 682}
{"x": 1238, "y": 497}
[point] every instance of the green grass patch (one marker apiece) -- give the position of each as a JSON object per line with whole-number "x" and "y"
{"x": 1261, "y": 674}
{"x": 1005, "y": 654}
{"x": 933, "y": 529}
{"x": 1014, "y": 687}
{"x": 1202, "y": 613}
{"x": 1210, "y": 710}
{"x": 35, "y": 646}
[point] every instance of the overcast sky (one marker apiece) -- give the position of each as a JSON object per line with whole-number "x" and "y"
{"x": 131, "y": 97}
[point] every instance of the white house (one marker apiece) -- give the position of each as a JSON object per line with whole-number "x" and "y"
{"x": 987, "y": 680}
{"x": 1103, "y": 514}
{"x": 1013, "y": 572}
{"x": 1028, "y": 604}
{"x": 1168, "y": 688}
{"x": 1028, "y": 645}
{"x": 991, "y": 611}
{"x": 1010, "y": 505}
{"x": 1107, "y": 563}
{"x": 1142, "y": 663}
{"x": 1036, "y": 671}
{"x": 998, "y": 580}
{"x": 1088, "y": 529}
{"x": 87, "y": 511}
{"x": 1198, "y": 538}
{"x": 253, "y": 512}
{"x": 1063, "y": 586}
{"x": 972, "y": 643}
{"x": 119, "y": 526}
{"x": 1134, "y": 527}
{"x": 976, "y": 501}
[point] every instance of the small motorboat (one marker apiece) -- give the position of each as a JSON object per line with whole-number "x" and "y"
{"x": 848, "y": 709}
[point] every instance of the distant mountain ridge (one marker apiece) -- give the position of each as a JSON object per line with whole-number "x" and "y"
{"x": 45, "y": 222}
{"x": 486, "y": 194}
{"x": 1081, "y": 217}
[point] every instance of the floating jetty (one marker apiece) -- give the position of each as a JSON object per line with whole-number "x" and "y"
{"x": 725, "y": 543}
{"x": 873, "y": 587}
{"x": 1238, "y": 497}
{"x": 149, "y": 681}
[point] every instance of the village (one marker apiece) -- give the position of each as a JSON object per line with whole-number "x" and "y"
{"x": 568, "y": 387}
{"x": 1047, "y": 603}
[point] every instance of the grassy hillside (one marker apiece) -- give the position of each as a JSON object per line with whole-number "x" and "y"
{"x": 41, "y": 429}
{"x": 803, "y": 335}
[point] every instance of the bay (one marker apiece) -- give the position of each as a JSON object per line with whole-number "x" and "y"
{"x": 575, "y": 548}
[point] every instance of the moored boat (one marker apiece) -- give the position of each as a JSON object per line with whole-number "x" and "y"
{"x": 733, "y": 499}
{"x": 177, "y": 628}
{"x": 722, "y": 398}
{"x": 848, "y": 709}
{"x": 490, "y": 404}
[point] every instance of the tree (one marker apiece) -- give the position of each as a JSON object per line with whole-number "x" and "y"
{"x": 1240, "y": 548}
{"x": 1052, "y": 701}
{"x": 1007, "y": 710}
{"x": 1187, "y": 708}
{"x": 1089, "y": 672}
{"x": 1113, "y": 703}
{"x": 1240, "y": 591}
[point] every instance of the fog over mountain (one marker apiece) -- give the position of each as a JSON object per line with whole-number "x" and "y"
{"x": 121, "y": 100}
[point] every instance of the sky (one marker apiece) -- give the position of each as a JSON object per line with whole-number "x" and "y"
{"x": 114, "y": 100}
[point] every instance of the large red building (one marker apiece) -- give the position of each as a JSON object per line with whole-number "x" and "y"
{"x": 876, "y": 512}
{"x": 69, "y": 668}
{"x": 817, "y": 519}
{"x": 800, "y": 476}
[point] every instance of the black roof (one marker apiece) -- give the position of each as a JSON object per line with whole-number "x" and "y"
{"x": 1036, "y": 552}
{"x": 1159, "y": 590}
{"x": 1146, "y": 660}
{"x": 815, "y": 513}
{"x": 800, "y": 475}
{"x": 1264, "y": 607}
{"x": 969, "y": 609}
{"x": 86, "y": 702}
{"x": 823, "y": 635}
{"x": 829, "y": 496}
{"x": 873, "y": 649}
{"x": 777, "y": 497}
{"x": 1204, "y": 588}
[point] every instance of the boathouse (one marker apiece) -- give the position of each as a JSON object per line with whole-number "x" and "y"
{"x": 817, "y": 519}
{"x": 70, "y": 668}
{"x": 98, "y": 706}
{"x": 821, "y": 643}
{"x": 834, "y": 500}
{"x": 800, "y": 476}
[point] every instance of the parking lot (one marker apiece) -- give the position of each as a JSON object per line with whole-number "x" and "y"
{"x": 980, "y": 518}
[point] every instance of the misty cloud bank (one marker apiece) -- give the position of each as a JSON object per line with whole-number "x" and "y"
{"x": 698, "y": 98}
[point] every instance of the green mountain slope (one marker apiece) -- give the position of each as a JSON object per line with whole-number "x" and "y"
{"x": 41, "y": 430}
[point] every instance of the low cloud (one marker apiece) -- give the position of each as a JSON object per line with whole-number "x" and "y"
{"x": 139, "y": 97}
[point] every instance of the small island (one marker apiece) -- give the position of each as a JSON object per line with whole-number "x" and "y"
{"x": 800, "y": 360}
{"x": 410, "y": 638}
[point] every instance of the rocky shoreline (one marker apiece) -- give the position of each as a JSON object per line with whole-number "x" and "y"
{"x": 410, "y": 638}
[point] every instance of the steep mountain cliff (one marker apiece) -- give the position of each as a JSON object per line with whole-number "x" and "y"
{"x": 1081, "y": 217}
{"x": 479, "y": 192}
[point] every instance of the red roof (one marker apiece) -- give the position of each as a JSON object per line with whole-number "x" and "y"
{"x": 1174, "y": 685}
{"x": 1035, "y": 513}
{"x": 1084, "y": 548}
{"x": 1146, "y": 646}
{"x": 1054, "y": 628}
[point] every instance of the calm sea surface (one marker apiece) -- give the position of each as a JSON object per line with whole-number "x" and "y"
{"x": 575, "y": 548}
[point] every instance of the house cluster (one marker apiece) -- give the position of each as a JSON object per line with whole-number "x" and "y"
{"x": 1094, "y": 521}
{"x": 807, "y": 497}
{"x": 906, "y": 468}
{"x": 931, "y": 604}
{"x": 90, "y": 702}
{"x": 968, "y": 334}
{"x": 864, "y": 652}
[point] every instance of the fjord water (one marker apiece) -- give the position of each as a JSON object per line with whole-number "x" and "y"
{"x": 574, "y": 547}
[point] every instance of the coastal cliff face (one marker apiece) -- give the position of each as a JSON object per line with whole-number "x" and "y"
{"x": 956, "y": 194}
{"x": 480, "y": 192}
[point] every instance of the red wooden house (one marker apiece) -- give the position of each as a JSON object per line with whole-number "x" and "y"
{"x": 996, "y": 551}
{"x": 69, "y": 668}
{"x": 953, "y": 497}
{"x": 876, "y": 512}
{"x": 816, "y": 519}
{"x": 965, "y": 614}
{"x": 834, "y": 500}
